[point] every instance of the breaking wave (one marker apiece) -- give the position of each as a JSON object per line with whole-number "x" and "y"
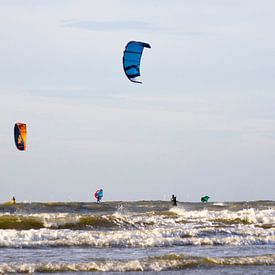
{"x": 76, "y": 222}
{"x": 119, "y": 219}
{"x": 154, "y": 237}
{"x": 159, "y": 263}
{"x": 264, "y": 218}
{"x": 156, "y": 226}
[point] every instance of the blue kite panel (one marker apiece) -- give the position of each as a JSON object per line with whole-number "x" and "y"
{"x": 131, "y": 60}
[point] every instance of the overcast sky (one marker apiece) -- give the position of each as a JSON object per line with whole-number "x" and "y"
{"x": 202, "y": 122}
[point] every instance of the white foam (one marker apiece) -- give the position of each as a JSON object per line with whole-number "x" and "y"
{"x": 180, "y": 235}
{"x": 201, "y": 227}
{"x": 253, "y": 216}
{"x": 167, "y": 262}
{"x": 218, "y": 204}
{"x": 51, "y": 220}
{"x": 143, "y": 220}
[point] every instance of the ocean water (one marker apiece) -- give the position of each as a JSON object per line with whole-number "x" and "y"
{"x": 135, "y": 237}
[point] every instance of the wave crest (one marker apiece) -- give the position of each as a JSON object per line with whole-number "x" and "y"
{"x": 158, "y": 263}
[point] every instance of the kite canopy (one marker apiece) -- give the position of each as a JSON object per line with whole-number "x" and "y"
{"x": 131, "y": 60}
{"x": 20, "y": 136}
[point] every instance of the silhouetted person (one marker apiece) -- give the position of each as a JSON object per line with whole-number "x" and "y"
{"x": 13, "y": 200}
{"x": 174, "y": 200}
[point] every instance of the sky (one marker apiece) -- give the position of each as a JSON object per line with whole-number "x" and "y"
{"x": 201, "y": 123}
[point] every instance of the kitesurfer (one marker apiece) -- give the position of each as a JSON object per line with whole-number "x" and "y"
{"x": 13, "y": 200}
{"x": 98, "y": 199}
{"x": 174, "y": 200}
{"x": 205, "y": 199}
{"x": 98, "y": 195}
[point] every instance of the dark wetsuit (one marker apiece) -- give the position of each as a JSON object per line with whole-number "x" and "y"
{"x": 174, "y": 200}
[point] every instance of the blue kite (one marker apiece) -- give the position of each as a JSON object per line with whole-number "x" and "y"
{"x": 131, "y": 60}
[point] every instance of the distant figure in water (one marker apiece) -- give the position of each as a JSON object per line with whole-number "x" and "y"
{"x": 205, "y": 199}
{"x": 174, "y": 200}
{"x": 98, "y": 195}
{"x": 13, "y": 200}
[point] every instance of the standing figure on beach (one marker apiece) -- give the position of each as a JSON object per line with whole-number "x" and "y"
{"x": 13, "y": 200}
{"x": 98, "y": 195}
{"x": 174, "y": 200}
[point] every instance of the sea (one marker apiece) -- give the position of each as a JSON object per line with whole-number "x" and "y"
{"x": 137, "y": 237}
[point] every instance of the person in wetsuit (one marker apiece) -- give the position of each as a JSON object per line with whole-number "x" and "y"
{"x": 174, "y": 200}
{"x": 98, "y": 195}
